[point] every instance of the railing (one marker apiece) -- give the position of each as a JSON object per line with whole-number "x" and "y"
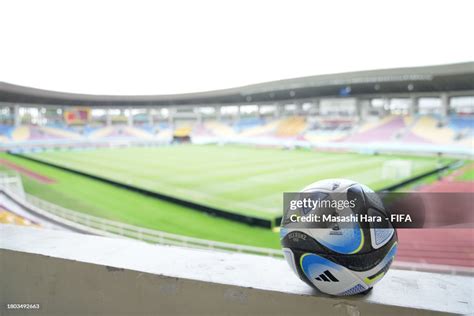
{"x": 12, "y": 183}
{"x": 102, "y": 226}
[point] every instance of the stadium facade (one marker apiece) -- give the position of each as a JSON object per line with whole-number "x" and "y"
{"x": 403, "y": 108}
{"x": 453, "y": 80}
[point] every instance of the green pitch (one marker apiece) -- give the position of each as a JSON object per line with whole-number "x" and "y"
{"x": 100, "y": 199}
{"x": 468, "y": 175}
{"x": 243, "y": 180}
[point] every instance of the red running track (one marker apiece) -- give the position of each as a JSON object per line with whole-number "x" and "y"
{"x": 27, "y": 172}
{"x": 447, "y": 246}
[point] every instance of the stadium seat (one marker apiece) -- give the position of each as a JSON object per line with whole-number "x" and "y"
{"x": 291, "y": 127}
{"x": 428, "y": 127}
{"x": 7, "y": 217}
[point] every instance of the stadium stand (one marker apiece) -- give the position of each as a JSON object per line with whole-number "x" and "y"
{"x": 200, "y": 130}
{"x": 385, "y": 130}
{"x": 4, "y": 139}
{"x": 324, "y": 130}
{"x": 464, "y": 128}
{"x": 321, "y": 136}
{"x": 38, "y": 133}
{"x": 219, "y": 129}
{"x": 20, "y": 133}
{"x": 137, "y": 132}
{"x": 291, "y": 127}
{"x": 430, "y": 128}
{"x": 5, "y": 133}
{"x": 102, "y": 132}
{"x": 263, "y": 130}
{"x": 164, "y": 134}
{"x": 372, "y": 124}
{"x": 60, "y": 132}
{"x": 246, "y": 123}
{"x": 461, "y": 123}
{"x": 333, "y": 124}
{"x": 7, "y": 217}
{"x": 410, "y": 129}
{"x": 149, "y": 128}
{"x": 87, "y": 130}
{"x": 183, "y": 131}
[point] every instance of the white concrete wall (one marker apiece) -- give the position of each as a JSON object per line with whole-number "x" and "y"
{"x": 72, "y": 274}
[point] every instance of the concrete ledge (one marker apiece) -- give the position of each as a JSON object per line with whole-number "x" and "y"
{"x": 74, "y": 274}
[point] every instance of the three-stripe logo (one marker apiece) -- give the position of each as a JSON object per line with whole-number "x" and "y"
{"x": 327, "y": 276}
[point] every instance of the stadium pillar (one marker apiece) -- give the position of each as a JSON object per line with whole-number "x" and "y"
{"x": 299, "y": 108}
{"x": 108, "y": 118}
{"x": 40, "y": 116}
{"x": 130, "y": 117}
{"x": 16, "y": 115}
{"x": 218, "y": 112}
{"x": 281, "y": 109}
{"x": 386, "y": 107}
{"x": 359, "y": 104}
{"x": 316, "y": 103}
{"x": 413, "y": 105}
{"x": 366, "y": 108}
{"x": 171, "y": 116}
{"x": 277, "y": 110}
{"x": 238, "y": 113}
{"x": 150, "y": 116}
{"x": 63, "y": 111}
{"x": 444, "y": 105}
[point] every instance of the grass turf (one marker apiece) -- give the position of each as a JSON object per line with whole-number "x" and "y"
{"x": 97, "y": 198}
{"x": 245, "y": 180}
{"x": 468, "y": 175}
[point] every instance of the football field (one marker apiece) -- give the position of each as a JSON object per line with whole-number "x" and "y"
{"x": 243, "y": 180}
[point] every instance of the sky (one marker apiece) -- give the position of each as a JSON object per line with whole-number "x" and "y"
{"x": 165, "y": 47}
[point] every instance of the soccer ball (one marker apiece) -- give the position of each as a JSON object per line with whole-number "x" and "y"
{"x": 342, "y": 258}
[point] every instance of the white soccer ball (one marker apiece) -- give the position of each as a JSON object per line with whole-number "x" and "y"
{"x": 342, "y": 258}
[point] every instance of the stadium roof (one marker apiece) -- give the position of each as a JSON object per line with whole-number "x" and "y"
{"x": 454, "y": 78}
